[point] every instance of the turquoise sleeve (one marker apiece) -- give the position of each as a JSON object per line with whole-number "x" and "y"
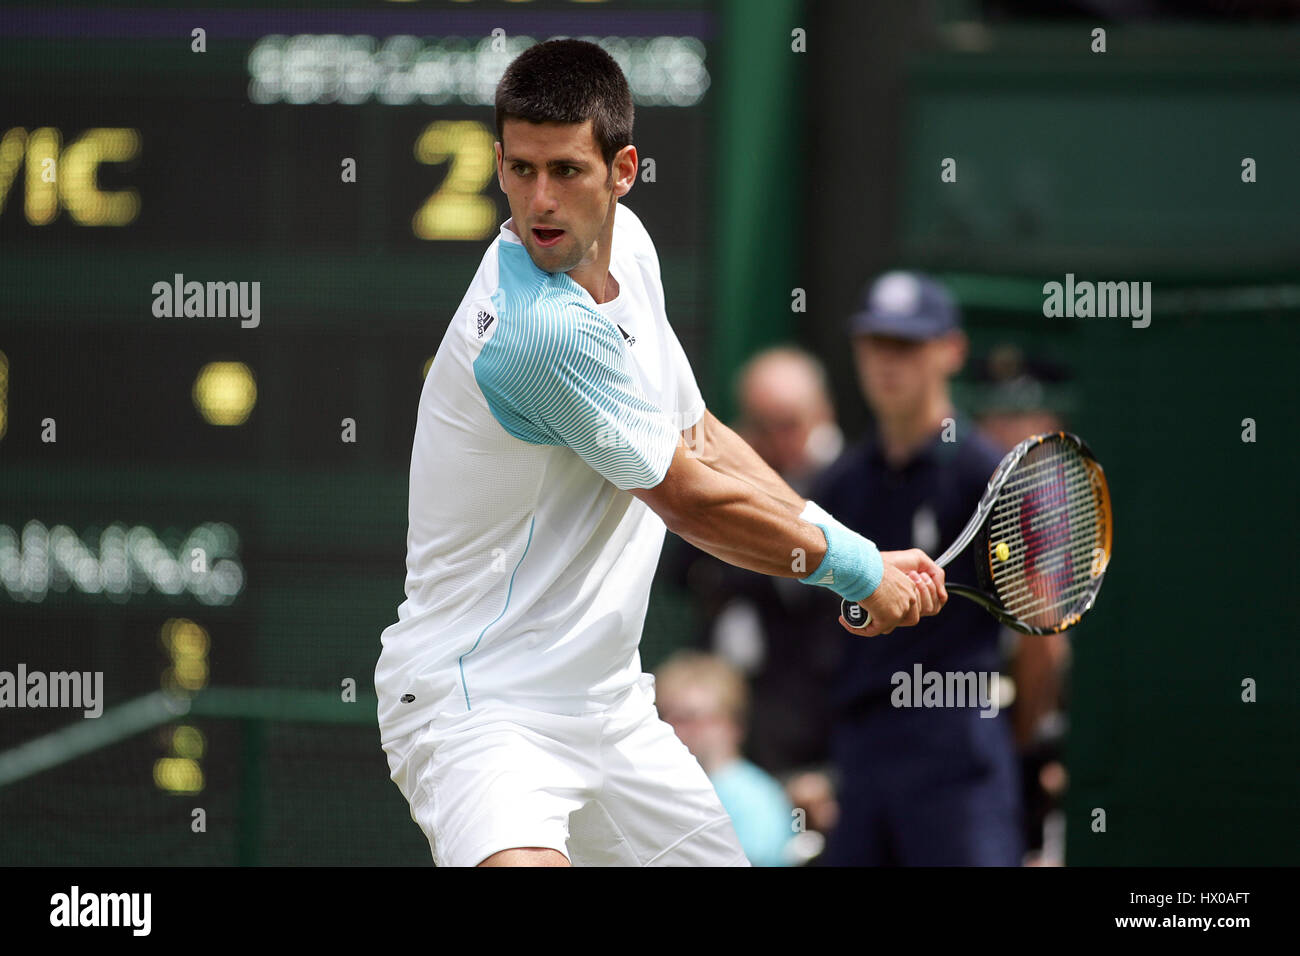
{"x": 559, "y": 376}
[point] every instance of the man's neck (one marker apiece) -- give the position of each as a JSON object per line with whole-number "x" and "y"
{"x": 611, "y": 289}
{"x": 593, "y": 272}
{"x": 903, "y": 436}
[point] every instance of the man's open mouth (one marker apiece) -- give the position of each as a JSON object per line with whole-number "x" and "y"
{"x": 547, "y": 237}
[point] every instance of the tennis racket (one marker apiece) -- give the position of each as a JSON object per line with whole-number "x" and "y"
{"x": 1042, "y": 538}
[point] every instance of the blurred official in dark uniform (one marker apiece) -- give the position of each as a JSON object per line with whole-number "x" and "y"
{"x": 919, "y": 785}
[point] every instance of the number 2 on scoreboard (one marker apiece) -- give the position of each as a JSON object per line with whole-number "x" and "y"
{"x": 457, "y": 209}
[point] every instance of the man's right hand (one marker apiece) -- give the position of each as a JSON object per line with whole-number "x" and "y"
{"x": 912, "y": 588}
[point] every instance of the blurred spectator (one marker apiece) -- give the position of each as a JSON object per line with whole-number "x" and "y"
{"x": 918, "y": 785}
{"x": 759, "y": 623}
{"x": 1016, "y": 397}
{"x": 706, "y": 702}
{"x": 786, "y": 414}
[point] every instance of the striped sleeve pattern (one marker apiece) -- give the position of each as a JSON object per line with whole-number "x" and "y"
{"x": 556, "y": 373}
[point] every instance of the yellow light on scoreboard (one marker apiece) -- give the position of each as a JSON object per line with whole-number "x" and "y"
{"x": 183, "y": 638}
{"x": 188, "y": 674}
{"x": 458, "y": 209}
{"x": 42, "y": 175}
{"x": 177, "y": 775}
{"x": 225, "y": 393}
{"x": 188, "y": 742}
{"x": 187, "y": 644}
{"x": 12, "y": 146}
{"x": 79, "y": 186}
{"x": 67, "y": 177}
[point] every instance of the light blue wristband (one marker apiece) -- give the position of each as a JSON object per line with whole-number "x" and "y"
{"x": 852, "y": 567}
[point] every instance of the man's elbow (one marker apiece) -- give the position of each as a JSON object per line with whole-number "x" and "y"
{"x": 671, "y": 501}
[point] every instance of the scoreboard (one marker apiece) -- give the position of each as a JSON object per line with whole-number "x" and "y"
{"x": 349, "y": 175}
{"x": 190, "y": 501}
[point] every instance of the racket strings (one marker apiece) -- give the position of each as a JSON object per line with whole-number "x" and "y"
{"x": 1023, "y": 594}
{"x": 1028, "y": 557}
{"x": 1004, "y": 523}
{"x": 1059, "y": 608}
{"x": 1030, "y": 467}
{"x": 1022, "y": 591}
{"x": 1046, "y": 563}
{"x": 1042, "y": 477}
{"x": 1047, "y": 534}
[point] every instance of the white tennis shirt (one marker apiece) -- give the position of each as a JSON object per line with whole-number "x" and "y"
{"x": 528, "y": 563}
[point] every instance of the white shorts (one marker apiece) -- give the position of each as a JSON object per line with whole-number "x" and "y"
{"x": 616, "y": 788}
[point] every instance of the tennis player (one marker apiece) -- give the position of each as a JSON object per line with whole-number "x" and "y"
{"x": 560, "y": 429}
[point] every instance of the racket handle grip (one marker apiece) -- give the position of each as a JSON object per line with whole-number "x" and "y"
{"x": 855, "y": 613}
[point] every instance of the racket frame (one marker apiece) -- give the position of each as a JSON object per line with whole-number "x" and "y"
{"x": 976, "y": 529}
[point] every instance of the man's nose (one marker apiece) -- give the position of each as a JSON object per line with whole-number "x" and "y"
{"x": 543, "y": 201}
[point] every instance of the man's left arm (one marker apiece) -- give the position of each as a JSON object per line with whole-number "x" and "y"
{"x": 717, "y": 446}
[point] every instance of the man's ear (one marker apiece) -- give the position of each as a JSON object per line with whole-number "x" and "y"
{"x": 501, "y": 179}
{"x": 623, "y": 170}
{"x": 958, "y": 346}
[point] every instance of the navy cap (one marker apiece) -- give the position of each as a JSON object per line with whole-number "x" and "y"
{"x": 906, "y": 305}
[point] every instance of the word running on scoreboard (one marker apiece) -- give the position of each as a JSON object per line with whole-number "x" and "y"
{"x": 124, "y": 562}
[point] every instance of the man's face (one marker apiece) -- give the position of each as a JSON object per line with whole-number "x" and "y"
{"x": 778, "y": 432}
{"x": 898, "y": 376}
{"x": 1007, "y": 429}
{"x": 694, "y": 713}
{"x": 780, "y": 406}
{"x": 560, "y": 191}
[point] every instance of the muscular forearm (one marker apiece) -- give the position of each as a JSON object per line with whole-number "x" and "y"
{"x": 746, "y": 526}
{"x": 724, "y": 451}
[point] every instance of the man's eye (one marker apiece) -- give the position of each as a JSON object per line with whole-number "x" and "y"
{"x": 519, "y": 169}
{"x": 569, "y": 171}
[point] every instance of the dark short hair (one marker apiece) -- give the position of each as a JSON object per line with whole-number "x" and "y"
{"x": 568, "y": 81}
